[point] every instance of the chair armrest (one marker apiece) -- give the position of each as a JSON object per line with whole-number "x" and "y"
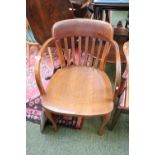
{"x": 124, "y": 79}
{"x": 118, "y": 70}
{"x": 37, "y": 66}
{"x": 126, "y": 53}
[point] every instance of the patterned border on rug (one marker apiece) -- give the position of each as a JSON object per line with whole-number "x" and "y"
{"x": 33, "y": 113}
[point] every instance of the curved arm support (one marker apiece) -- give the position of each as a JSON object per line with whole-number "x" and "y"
{"x": 118, "y": 70}
{"x": 37, "y": 66}
{"x": 125, "y": 75}
{"x": 126, "y": 53}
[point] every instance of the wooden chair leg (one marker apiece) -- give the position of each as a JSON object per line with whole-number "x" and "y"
{"x": 49, "y": 116}
{"x": 115, "y": 118}
{"x": 43, "y": 120}
{"x": 104, "y": 122}
{"x": 50, "y": 54}
{"x": 28, "y": 53}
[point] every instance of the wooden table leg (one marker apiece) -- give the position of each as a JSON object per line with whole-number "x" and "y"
{"x": 49, "y": 116}
{"x": 104, "y": 122}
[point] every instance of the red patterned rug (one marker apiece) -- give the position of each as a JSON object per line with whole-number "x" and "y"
{"x": 33, "y": 101}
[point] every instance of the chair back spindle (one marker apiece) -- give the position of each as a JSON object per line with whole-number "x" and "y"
{"x": 97, "y": 36}
{"x": 98, "y": 53}
{"x": 67, "y": 51}
{"x": 79, "y": 50}
{"x": 92, "y": 51}
{"x": 73, "y": 49}
{"x": 86, "y": 50}
{"x": 104, "y": 55}
{"x": 60, "y": 53}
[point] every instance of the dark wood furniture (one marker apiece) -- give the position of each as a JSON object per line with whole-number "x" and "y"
{"x": 41, "y": 15}
{"x": 81, "y": 8}
{"x": 121, "y": 34}
{"x": 100, "y": 5}
{"x": 80, "y": 87}
{"x": 122, "y": 104}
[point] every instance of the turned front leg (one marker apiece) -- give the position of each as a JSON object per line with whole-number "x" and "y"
{"x": 105, "y": 120}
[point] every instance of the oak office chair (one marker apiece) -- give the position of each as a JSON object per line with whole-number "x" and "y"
{"x": 122, "y": 104}
{"x": 82, "y": 89}
{"x": 41, "y": 15}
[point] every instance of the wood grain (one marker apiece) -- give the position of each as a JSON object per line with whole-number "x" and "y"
{"x": 81, "y": 90}
{"x": 42, "y": 15}
{"x": 76, "y": 90}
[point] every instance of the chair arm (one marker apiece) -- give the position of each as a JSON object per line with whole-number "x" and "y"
{"x": 37, "y": 66}
{"x": 126, "y": 53}
{"x": 118, "y": 70}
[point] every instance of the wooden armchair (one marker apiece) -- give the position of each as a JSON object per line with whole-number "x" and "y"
{"x": 122, "y": 104}
{"x": 80, "y": 87}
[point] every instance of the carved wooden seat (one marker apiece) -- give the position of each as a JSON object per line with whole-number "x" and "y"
{"x": 82, "y": 91}
{"x": 80, "y": 88}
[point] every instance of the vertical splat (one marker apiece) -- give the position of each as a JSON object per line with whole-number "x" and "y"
{"x": 73, "y": 49}
{"x": 92, "y": 51}
{"x": 86, "y": 50}
{"x": 104, "y": 55}
{"x": 98, "y": 53}
{"x": 79, "y": 50}
{"x": 67, "y": 51}
{"x": 60, "y": 53}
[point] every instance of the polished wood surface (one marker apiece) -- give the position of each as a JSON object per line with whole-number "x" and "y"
{"x": 122, "y": 104}
{"x": 125, "y": 75}
{"x": 42, "y": 14}
{"x": 81, "y": 89}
